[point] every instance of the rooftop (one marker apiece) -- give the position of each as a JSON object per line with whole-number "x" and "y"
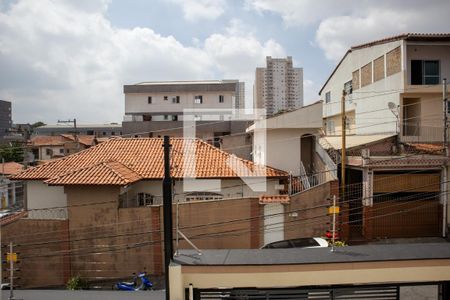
{"x": 187, "y": 82}
{"x": 348, "y": 254}
{"x": 10, "y": 168}
{"x": 63, "y": 125}
{"x": 122, "y": 161}
{"x": 61, "y": 140}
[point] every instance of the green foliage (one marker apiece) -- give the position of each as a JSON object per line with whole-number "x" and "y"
{"x": 38, "y": 124}
{"x": 77, "y": 283}
{"x": 339, "y": 244}
{"x": 12, "y": 152}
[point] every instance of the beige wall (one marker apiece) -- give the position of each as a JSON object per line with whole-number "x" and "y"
{"x": 429, "y": 108}
{"x": 282, "y": 276}
{"x": 422, "y": 51}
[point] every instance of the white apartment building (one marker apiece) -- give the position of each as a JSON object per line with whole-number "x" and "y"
{"x": 393, "y": 85}
{"x": 278, "y": 86}
{"x": 158, "y": 108}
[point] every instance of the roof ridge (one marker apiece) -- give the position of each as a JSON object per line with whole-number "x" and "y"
{"x": 79, "y": 169}
{"x": 106, "y": 164}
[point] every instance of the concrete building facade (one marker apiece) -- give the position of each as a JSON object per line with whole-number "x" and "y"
{"x": 278, "y": 86}
{"x": 5, "y": 119}
{"x": 155, "y": 109}
{"x": 97, "y": 130}
{"x": 393, "y": 85}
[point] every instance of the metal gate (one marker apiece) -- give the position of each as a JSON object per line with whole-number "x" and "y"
{"x": 356, "y": 293}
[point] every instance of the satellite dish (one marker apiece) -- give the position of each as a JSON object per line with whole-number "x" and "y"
{"x": 392, "y": 106}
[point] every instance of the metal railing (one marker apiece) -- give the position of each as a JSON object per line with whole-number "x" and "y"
{"x": 301, "y": 183}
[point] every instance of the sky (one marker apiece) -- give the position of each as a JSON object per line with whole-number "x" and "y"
{"x": 62, "y": 59}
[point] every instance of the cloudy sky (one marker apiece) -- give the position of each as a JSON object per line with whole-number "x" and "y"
{"x": 70, "y": 58}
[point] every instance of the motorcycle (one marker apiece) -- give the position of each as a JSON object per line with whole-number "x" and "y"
{"x": 145, "y": 283}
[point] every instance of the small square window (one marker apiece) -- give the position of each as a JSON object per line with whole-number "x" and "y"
{"x": 166, "y": 97}
{"x": 175, "y": 118}
{"x": 176, "y": 99}
{"x": 221, "y": 98}
{"x": 166, "y": 117}
{"x": 198, "y": 99}
{"x": 149, "y": 100}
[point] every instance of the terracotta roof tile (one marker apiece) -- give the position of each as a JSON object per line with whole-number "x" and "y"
{"x": 143, "y": 156}
{"x": 283, "y": 199}
{"x": 10, "y": 168}
{"x": 12, "y": 217}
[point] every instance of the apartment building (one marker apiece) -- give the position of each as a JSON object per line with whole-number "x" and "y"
{"x": 392, "y": 85}
{"x": 5, "y": 119}
{"x": 278, "y": 86}
{"x": 97, "y": 130}
{"x": 154, "y": 109}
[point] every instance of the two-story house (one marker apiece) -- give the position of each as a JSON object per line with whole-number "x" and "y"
{"x": 396, "y": 175}
{"x": 392, "y": 85}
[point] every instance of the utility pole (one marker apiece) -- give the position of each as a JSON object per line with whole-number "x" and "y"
{"x": 75, "y": 133}
{"x": 343, "y": 141}
{"x": 445, "y": 171}
{"x": 167, "y": 208}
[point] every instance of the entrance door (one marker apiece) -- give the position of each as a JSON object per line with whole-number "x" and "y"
{"x": 273, "y": 223}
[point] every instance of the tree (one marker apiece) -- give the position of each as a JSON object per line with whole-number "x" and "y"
{"x": 38, "y": 124}
{"x": 12, "y": 152}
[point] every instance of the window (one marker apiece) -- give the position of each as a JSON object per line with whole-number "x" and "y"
{"x": 146, "y": 117}
{"x": 328, "y": 97}
{"x": 198, "y": 99}
{"x": 175, "y": 118}
{"x": 202, "y": 196}
{"x": 221, "y": 99}
{"x": 90, "y": 132}
{"x": 424, "y": 72}
{"x": 48, "y": 152}
{"x": 113, "y": 133}
{"x": 348, "y": 87}
{"x": 176, "y": 99}
{"x": 149, "y": 99}
{"x": 166, "y": 98}
{"x": 144, "y": 199}
{"x": 166, "y": 117}
{"x": 330, "y": 127}
{"x": 61, "y": 151}
{"x": 104, "y": 132}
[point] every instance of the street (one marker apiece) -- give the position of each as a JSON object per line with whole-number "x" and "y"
{"x": 83, "y": 295}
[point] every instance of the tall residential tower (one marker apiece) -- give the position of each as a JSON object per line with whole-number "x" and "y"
{"x": 278, "y": 86}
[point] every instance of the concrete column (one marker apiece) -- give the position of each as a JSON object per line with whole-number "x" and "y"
{"x": 176, "y": 282}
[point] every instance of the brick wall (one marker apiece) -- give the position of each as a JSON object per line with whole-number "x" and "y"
{"x": 366, "y": 74}
{"x": 37, "y": 241}
{"x": 393, "y": 61}
{"x": 355, "y": 80}
{"x": 378, "y": 68}
{"x": 301, "y": 221}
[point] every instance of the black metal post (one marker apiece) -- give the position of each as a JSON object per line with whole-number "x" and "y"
{"x": 167, "y": 207}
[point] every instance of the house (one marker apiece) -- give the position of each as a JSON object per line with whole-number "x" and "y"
{"x": 392, "y": 85}
{"x": 132, "y": 171}
{"x": 45, "y": 147}
{"x": 110, "y": 194}
{"x": 11, "y": 192}
{"x": 391, "y": 193}
{"x": 401, "y": 271}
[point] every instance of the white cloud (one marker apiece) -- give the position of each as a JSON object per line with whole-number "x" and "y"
{"x": 195, "y": 10}
{"x": 341, "y": 24}
{"x": 64, "y": 62}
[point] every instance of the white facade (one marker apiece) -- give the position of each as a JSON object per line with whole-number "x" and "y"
{"x": 287, "y": 136}
{"x": 160, "y": 101}
{"x": 45, "y": 202}
{"x": 278, "y": 86}
{"x": 388, "y": 104}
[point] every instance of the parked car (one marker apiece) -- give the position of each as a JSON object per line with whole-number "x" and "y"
{"x": 313, "y": 242}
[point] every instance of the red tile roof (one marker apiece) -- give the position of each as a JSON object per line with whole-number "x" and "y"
{"x": 10, "y": 168}
{"x": 283, "y": 199}
{"x": 12, "y": 217}
{"x": 121, "y": 160}
{"x": 61, "y": 140}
